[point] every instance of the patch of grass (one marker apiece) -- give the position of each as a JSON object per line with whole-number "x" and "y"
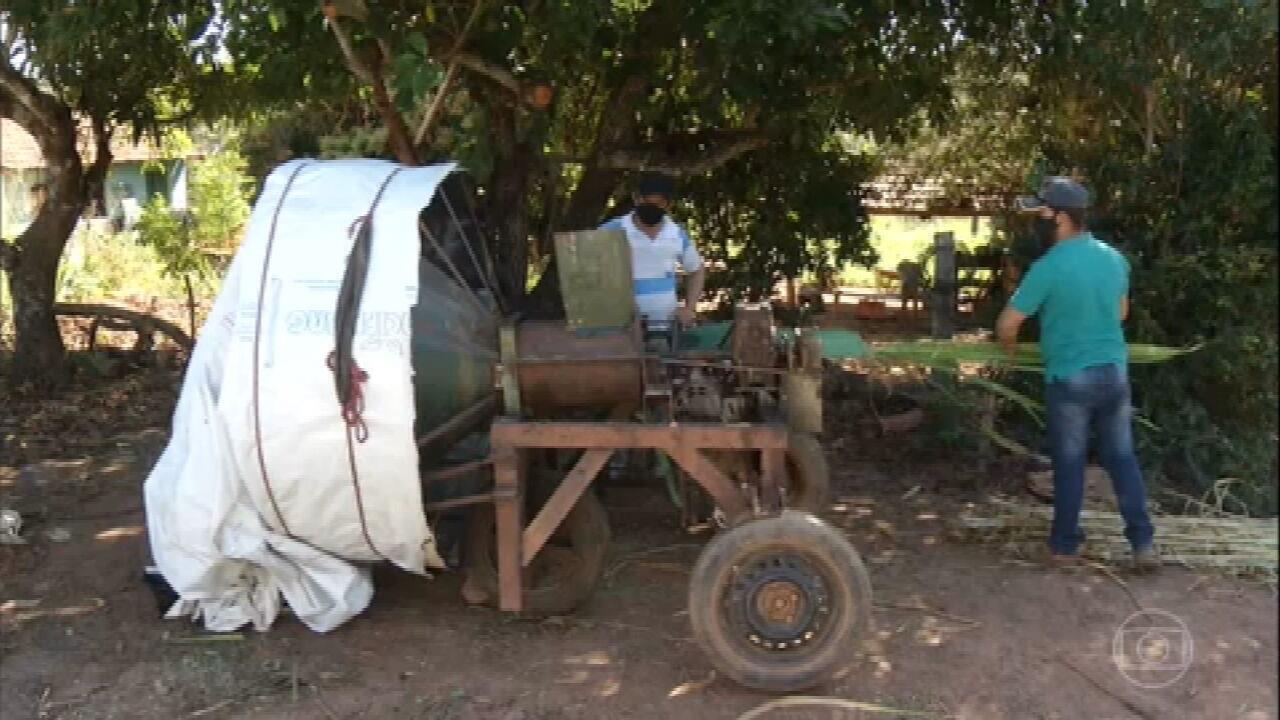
{"x": 898, "y": 238}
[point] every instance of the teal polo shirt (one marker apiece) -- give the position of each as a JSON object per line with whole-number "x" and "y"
{"x": 1075, "y": 288}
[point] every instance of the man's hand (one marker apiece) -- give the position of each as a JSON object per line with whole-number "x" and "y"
{"x": 686, "y": 316}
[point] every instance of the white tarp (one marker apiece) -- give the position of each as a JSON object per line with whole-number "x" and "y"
{"x": 214, "y": 530}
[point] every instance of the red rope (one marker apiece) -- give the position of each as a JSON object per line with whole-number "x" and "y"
{"x": 353, "y": 404}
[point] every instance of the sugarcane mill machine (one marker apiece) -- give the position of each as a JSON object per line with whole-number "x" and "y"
{"x": 517, "y": 417}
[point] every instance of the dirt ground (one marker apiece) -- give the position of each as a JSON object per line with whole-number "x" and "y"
{"x": 997, "y": 638}
{"x": 960, "y": 630}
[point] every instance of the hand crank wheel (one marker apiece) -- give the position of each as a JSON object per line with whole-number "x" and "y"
{"x": 778, "y": 604}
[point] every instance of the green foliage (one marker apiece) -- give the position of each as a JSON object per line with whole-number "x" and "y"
{"x": 108, "y": 266}
{"x": 765, "y": 219}
{"x": 171, "y": 236}
{"x": 220, "y": 192}
{"x": 219, "y": 195}
{"x": 133, "y": 64}
{"x": 366, "y": 142}
{"x": 665, "y": 81}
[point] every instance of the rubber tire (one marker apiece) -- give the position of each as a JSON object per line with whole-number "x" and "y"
{"x": 836, "y": 559}
{"x": 808, "y": 478}
{"x": 587, "y": 528}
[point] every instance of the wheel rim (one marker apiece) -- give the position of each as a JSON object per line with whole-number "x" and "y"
{"x": 778, "y": 603}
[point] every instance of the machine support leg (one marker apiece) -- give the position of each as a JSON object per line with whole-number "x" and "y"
{"x": 772, "y": 476}
{"x": 508, "y": 511}
{"x": 562, "y": 501}
{"x": 705, "y": 472}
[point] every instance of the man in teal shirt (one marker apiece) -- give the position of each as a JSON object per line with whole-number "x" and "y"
{"x": 1080, "y": 290}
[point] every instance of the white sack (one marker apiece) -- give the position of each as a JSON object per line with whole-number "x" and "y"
{"x": 215, "y": 534}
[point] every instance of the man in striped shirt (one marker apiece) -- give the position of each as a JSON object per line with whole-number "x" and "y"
{"x": 658, "y": 245}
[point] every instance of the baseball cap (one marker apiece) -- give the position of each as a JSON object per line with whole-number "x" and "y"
{"x": 1059, "y": 193}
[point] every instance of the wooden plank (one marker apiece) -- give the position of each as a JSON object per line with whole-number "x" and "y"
{"x": 562, "y": 501}
{"x": 706, "y": 474}
{"x": 599, "y": 435}
{"x": 509, "y": 356}
{"x": 508, "y": 513}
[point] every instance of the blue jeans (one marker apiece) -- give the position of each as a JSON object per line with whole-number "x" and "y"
{"x": 1096, "y": 398}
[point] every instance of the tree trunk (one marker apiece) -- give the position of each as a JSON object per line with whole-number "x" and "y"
{"x": 591, "y": 198}
{"x": 33, "y": 275}
{"x": 506, "y": 201}
{"x": 31, "y": 262}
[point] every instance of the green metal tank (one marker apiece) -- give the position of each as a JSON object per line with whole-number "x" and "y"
{"x": 454, "y": 348}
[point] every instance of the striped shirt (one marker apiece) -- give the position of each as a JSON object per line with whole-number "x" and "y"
{"x": 653, "y": 265}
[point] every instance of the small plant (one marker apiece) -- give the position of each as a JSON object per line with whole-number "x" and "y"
{"x": 220, "y": 194}
{"x": 172, "y": 235}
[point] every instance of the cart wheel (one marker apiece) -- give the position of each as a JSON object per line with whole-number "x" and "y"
{"x": 779, "y": 603}
{"x": 808, "y": 479}
{"x": 562, "y": 575}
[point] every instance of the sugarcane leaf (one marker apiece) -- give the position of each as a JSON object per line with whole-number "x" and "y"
{"x": 1004, "y": 442}
{"x": 1033, "y": 408}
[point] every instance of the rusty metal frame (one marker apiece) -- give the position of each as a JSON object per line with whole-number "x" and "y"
{"x": 685, "y": 443}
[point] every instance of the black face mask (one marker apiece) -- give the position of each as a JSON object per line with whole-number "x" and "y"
{"x": 1046, "y": 229}
{"x": 649, "y": 214}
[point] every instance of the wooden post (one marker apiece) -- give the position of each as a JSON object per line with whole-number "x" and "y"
{"x": 508, "y": 505}
{"x": 944, "y": 285}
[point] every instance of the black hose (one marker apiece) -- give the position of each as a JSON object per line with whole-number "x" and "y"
{"x": 347, "y": 313}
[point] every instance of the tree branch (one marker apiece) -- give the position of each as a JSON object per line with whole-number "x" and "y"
{"x": 26, "y": 104}
{"x": 437, "y": 101}
{"x": 97, "y": 172}
{"x": 397, "y": 131}
{"x": 710, "y": 151}
{"x": 398, "y": 138}
{"x": 486, "y": 69}
{"x": 354, "y": 63}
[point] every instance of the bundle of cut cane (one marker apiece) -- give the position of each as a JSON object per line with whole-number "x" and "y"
{"x": 951, "y": 357}
{"x": 1232, "y": 543}
{"x": 953, "y": 353}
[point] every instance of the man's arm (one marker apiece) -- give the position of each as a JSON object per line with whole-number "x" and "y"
{"x": 696, "y": 274}
{"x": 1027, "y": 301}
{"x": 1124, "y": 308}
{"x": 694, "y": 283}
{"x": 1007, "y": 326}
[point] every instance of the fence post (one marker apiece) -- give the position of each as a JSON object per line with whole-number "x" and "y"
{"x": 943, "y": 307}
